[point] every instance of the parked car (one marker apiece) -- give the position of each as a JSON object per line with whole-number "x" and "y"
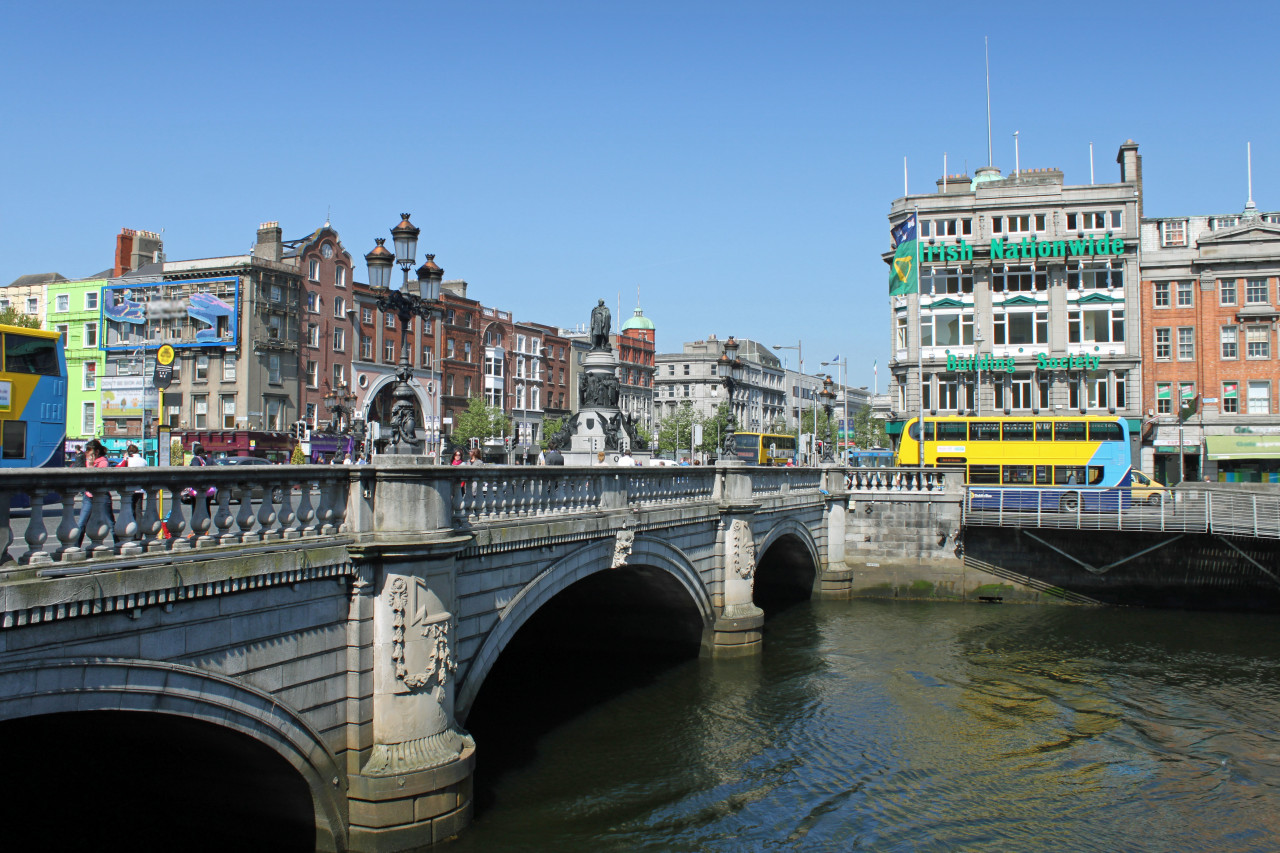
{"x": 1146, "y": 490}
{"x": 237, "y": 496}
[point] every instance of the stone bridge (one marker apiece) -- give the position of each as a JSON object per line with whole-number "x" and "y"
{"x": 314, "y": 637}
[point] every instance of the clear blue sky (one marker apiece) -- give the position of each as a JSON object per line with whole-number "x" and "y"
{"x": 733, "y": 160}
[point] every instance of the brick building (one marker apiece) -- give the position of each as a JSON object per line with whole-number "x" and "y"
{"x": 329, "y": 323}
{"x": 1209, "y": 312}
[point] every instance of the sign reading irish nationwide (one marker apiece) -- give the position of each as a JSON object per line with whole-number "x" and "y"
{"x": 163, "y": 374}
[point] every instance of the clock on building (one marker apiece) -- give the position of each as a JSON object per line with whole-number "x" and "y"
{"x": 327, "y": 250}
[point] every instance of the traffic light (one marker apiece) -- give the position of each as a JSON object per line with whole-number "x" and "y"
{"x": 506, "y": 441}
{"x": 475, "y": 443}
{"x": 819, "y": 445}
{"x": 300, "y": 430}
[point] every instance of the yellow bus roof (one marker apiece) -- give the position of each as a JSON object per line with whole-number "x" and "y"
{"x": 35, "y": 333}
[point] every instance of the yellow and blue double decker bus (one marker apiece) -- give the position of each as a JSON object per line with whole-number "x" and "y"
{"x": 33, "y": 398}
{"x": 1029, "y": 463}
{"x": 764, "y": 448}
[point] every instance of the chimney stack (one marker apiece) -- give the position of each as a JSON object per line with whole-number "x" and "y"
{"x": 269, "y": 245}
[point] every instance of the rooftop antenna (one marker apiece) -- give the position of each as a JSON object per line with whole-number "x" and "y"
{"x": 904, "y": 177}
{"x": 327, "y": 211}
{"x": 1249, "y": 205}
{"x": 1016, "y": 159}
{"x": 986, "y": 49}
{"x": 1090, "y": 164}
{"x": 944, "y": 172}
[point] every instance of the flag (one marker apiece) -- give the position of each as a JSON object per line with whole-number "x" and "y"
{"x": 835, "y": 359}
{"x": 903, "y": 276}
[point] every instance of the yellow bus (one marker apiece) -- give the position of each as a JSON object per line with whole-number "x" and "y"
{"x": 1029, "y": 462}
{"x": 764, "y": 448}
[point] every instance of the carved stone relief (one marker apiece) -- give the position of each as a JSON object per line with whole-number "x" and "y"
{"x": 622, "y": 548}
{"x": 440, "y": 662}
{"x": 742, "y": 549}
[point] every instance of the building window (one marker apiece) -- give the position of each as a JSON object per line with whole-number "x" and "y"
{"x": 426, "y": 357}
{"x": 1185, "y": 298}
{"x": 313, "y": 374}
{"x": 313, "y": 270}
{"x": 1164, "y": 398}
{"x": 1021, "y": 279}
{"x": 466, "y": 351}
{"x": 90, "y": 375}
{"x": 1256, "y": 291}
{"x": 313, "y": 301}
{"x": 91, "y": 334}
{"x": 366, "y": 315}
{"x": 1186, "y": 343}
{"x": 275, "y": 328}
{"x": 389, "y": 320}
{"x": 275, "y": 293}
{"x": 88, "y": 418}
{"x": 1161, "y": 299}
{"x": 1227, "y": 291}
{"x": 366, "y": 347}
{"x": 339, "y": 340}
{"x": 228, "y": 411}
{"x": 466, "y": 386}
{"x": 339, "y": 307}
{"x": 946, "y": 330}
{"x": 339, "y": 376}
{"x": 313, "y": 335}
{"x": 389, "y": 351}
{"x": 1257, "y": 341}
{"x": 1021, "y": 327}
{"x": 1103, "y": 325}
{"x": 202, "y": 368}
{"x": 448, "y": 390}
{"x": 448, "y": 348}
{"x": 275, "y": 414}
{"x": 273, "y": 369}
{"x": 1164, "y": 344}
{"x": 340, "y": 276}
{"x": 1259, "y": 397}
{"x": 199, "y": 411}
{"x": 229, "y": 367}
{"x": 63, "y": 302}
{"x": 1230, "y": 336}
{"x": 686, "y": 390}
{"x": 1231, "y": 398}
{"x": 1173, "y": 233}
{"x": 91, "y": 300}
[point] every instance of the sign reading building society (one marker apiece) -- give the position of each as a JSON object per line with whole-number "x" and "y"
{"x": 968, "y": 364}
{"x": 1028, "y": 249}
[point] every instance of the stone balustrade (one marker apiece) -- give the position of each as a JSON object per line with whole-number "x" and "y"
{"x": 865, "y": 482}
{"x": 224, "y": 506}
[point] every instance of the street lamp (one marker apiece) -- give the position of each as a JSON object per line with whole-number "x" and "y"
{"x": 843, "y": 362}
{"x": 828, "y": 399}
{"x": 406, "y": 305}
{"x": 731, "y": 376}
{"x": 799, "y": 348}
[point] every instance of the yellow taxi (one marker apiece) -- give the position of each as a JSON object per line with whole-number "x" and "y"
{"x": 1145, "y": 490}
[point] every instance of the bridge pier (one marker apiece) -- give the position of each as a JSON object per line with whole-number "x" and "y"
{"x": 737, "y": 630}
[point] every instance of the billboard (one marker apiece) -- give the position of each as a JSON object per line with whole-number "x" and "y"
{"x": 122, "y": 396}
{"x": 210, "y": 305}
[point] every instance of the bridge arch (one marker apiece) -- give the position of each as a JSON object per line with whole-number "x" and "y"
{"x": 788, "y": 566}
{"x": 791, "y": 527}
{"x": 571, "y": 568}
{"x": 37, "y": 689}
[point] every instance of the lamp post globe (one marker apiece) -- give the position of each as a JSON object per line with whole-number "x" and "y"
{"x": 405, "y": 238}
{"x": 380, "y": 261}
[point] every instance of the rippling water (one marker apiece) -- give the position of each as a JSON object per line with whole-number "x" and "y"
{"x": 904, "y": 726}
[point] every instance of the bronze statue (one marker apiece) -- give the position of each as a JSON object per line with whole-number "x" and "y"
{"x": 601, "y": 322}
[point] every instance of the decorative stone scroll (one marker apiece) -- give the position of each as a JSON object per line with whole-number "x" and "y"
{"x": 622, "y": 544}
{"x": 440, "y": 662}
{"x": 741, "y": 549}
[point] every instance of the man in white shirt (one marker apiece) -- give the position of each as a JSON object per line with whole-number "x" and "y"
{"x": 133, "y": 459}
{"x": 627, "y": 459}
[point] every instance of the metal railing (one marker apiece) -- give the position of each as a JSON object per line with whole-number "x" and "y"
{"x": 1193, "y": 510}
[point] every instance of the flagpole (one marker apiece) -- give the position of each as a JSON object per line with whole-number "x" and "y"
{"x": 919, "y": 336}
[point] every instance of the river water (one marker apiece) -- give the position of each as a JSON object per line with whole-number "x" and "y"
{"x": 914, "y": 726}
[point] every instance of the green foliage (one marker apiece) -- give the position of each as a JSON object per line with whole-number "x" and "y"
{"x": 869, "y": 431}
{"x": 297, "y": 457}
{"x": 12, "y": 317}
{"x": 826, "y": 426}
{"x": 675, "y": 431}
{"x": 550, "y": 427}
{"x": 643, "y": 437}
{"x": 481, "y": 421}
{"x": 176, "y": 456}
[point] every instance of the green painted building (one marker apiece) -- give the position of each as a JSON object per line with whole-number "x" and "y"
{"x": 74, "y": 309}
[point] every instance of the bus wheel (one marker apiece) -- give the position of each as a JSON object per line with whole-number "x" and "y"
{"x": 1069, "y": 503}
{"x": 1154, "y": 500}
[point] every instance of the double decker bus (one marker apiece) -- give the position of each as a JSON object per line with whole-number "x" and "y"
{"x": 1033, "y": 463}
{"x": 764, "y": 448}
{"x": 33, "y": 398}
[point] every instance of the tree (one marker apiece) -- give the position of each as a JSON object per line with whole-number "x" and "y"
{"x": 481, "y": 421}
{"x": 12, "y": 317}
{"x": 869, "y": 431}
{"x": 297, "y": 457}
{"x": 826, "y": 426}
{"x": 176, "y": 456}
{"x": 714, "y": 429}
{"x": 550, "y": 427}
{"x": 675, "y": 431}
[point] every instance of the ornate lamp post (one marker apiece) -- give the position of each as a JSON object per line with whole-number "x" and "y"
{"x": 338, "y": 402}
{"x": 731, "y": 376}
{"x": 406, "y": 305}
{"x": 828, "y": 403}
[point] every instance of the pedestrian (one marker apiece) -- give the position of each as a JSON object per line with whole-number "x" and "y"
{"x": 554, "y": 456}
{"x": 627, "y": 459}
{"x": 95, "y": 456}
{"x": 133, "y": 459}
{"x": 457, "y": 458}
{"x": 542, "y": 457}
{"x": 600, "y": 458}
{"x": 346, "y": 460}
{"x": 198, "y": 460}
{"x": 476, "y": 458}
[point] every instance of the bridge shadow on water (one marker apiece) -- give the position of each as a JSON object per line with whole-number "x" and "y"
{"x": 609, "y": 633}
{"x": 132, "y": 781}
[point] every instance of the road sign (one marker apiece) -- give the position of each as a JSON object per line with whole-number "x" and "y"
{"x": 163, "y": 374}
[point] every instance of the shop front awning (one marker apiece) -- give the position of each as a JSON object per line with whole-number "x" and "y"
{"x": 1229, "y": 447}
